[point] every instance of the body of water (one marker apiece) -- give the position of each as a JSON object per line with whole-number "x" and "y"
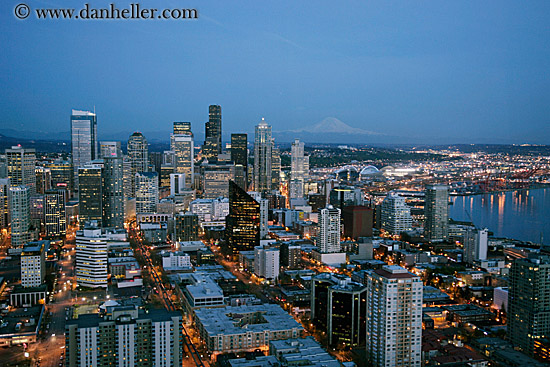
{"x": 522, "y": 215}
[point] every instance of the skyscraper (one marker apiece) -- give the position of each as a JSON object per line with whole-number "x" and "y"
{"x": 147, "y": 192}
{"x": 62, "y": 174}
{"x": 436, "y": 210}
{"x": 263, "y": 148}
{"x": 395, "y": 214}
{"x": 328, "y": 238}
{"x": 20, "y": 215}
{"x": 21, "y": 167}
{"x": 113, "y": 184}
{"x": 213, "y": 133}
{"x": 239, "y": 149}
{"x": 43, "y": 180}
{"x": 90, "y": 188}
{"x": 394, "y": 317}
{"x": 83, "y": 139}
{"x": 138, "y": 154}
{"x": 528, "y": 302}
{"x": 338, "y": 307}
{"x": 216, "y": 178}
{"x": 242, "y": 225}
{"x": 264, "y": 211}
{"x": 275, "y": 168}
{"x": 184, "y": 152}
{"x": 239, "y": 156}
{"x": 4, "y": 202}
{"x": 55, "y": 220}
{"x": 299, "y": 169}
{"x": 176, "y": 183}
{"x": 182, "y": 128}
{"x": 358, "y": 221}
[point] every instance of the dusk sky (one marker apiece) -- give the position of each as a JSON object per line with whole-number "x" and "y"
{"x": 465, "y": 71}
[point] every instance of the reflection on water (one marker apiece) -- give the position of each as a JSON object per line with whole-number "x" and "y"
{"x": 523, "y": 215}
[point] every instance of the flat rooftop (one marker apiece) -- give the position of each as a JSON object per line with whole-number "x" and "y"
{"x": 226, "y": 320}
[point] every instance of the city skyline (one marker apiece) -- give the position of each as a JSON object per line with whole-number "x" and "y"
{"x": 245, "y": 184}
{"x": 461, "y": 72}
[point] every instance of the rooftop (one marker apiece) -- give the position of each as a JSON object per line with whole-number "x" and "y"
{"x": 303, "y": 351}
{"x": 394, "y": 272}
{"x": 230, "y": 320}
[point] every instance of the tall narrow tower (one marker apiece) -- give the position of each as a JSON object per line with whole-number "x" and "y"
{"x": 299, "y": 169}
{"x": 263, "y": 147}
{"x": 213, "y": 133}
{"x": 83, "y": 139}
{"x": 138, "y": 153}
{"x": 328, "y": 239}
{"x": 436, "y": 211}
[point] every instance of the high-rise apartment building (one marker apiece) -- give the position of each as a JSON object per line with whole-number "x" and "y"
{"x": 263, "y": 148}
{"x": 184, "y": 152}
{"x": 243, "y": 222}
{"x": 529, "y": 302}
{"x": 125, "y": 336}
{"x": 475, "y": 244}
{"x": 436, "y": 212}
{"x": 328, "y": 238}
{"x": 213, "y": 133}
{"x": 91, "y": 257}
{"x": 21, "y": 167}
{"x": 266, "y": 261}
{"x": 147, "y": 192}
{"x": 55, "y": 219}
{"x": 20, "y": 215}
{"x": 395, "y": 214}
{"x": 33, "y": 264}
{"x": 394, "y": 317}
{"x": 138, "y": 154}
{"x": 83, "y": 139}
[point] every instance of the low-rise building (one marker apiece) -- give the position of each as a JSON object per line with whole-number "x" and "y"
{"x": 175, "y": 260}
{"x": 198, "y": 291}
{"x": 20, "y": 325}
{"x": 302, "y": 352}
{"x": 242, "y": 328}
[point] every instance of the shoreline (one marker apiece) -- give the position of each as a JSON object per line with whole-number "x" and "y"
{"x": 535, "y": 187}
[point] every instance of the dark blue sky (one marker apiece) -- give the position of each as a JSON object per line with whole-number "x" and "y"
{"x": 460, "y": 70}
